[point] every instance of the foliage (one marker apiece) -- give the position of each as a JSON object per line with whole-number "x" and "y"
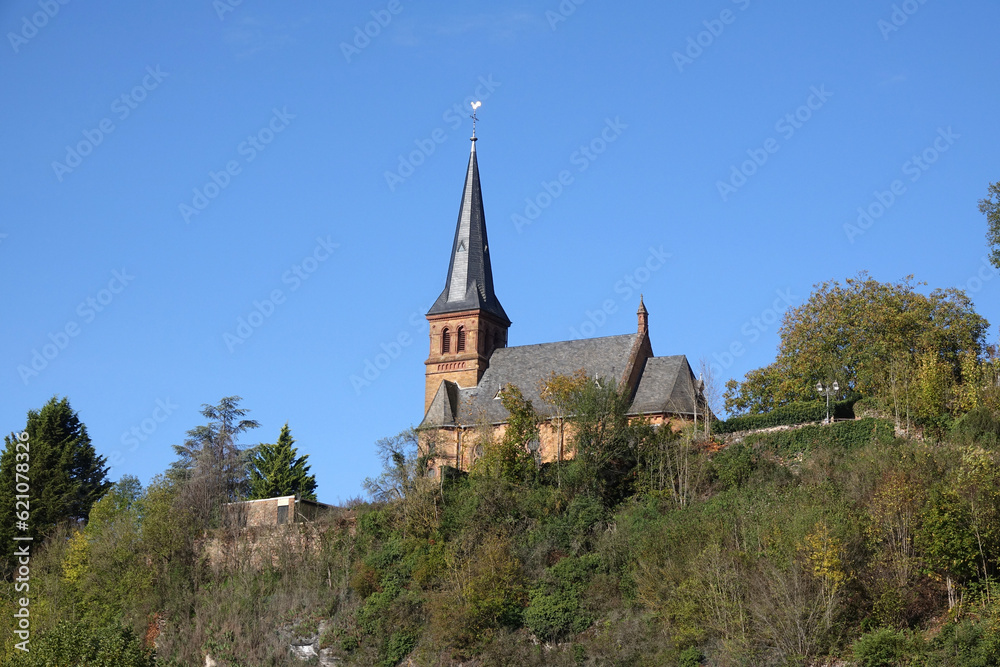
{"x": 884, "y": 340}
{"x": 884, "y": 647}
{"x": 277, "y": 470}
{"x": 797, "y": 412}
{"x": 401, "y": 466}
{"x": 554, "y": 607}
{"x": 211, "y": 465}
{"x": 990, "y": 207}
{"x": 980, "y": 425}
{"x": 838, "y": 437}
{"x": 58, "y": 464}
{"x": 76, "y": 644}
{"x": 103, "y": 568}
{"x": 606, "y": 446}
{"x": 804, "y": 546}
{"x": 511, "y": 458}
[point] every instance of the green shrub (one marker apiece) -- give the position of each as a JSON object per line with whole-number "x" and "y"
{"x": 397, "y": 647}
{"x": 966, "y": 644}
{"x": 72, "y": 644}
{"x": 884, "y": 647}
{"x": 980, "y": 425}
{"x": 691, "y": 657}
{"x": 843, "y": 436}
{"x": 801, "y": 412}
{"x": 734, "y": 465}
{"x": 554, "y": 608}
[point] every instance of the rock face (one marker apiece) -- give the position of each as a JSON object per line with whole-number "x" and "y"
{"x": 307, "y": 648}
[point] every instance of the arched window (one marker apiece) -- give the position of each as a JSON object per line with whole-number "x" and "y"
{"x": 445, "y": 341}
{"x": 460, "y": 345}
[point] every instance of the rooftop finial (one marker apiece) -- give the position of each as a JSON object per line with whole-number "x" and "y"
{"x": 475, "y": 105}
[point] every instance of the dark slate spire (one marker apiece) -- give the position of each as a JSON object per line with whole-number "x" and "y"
{"x": 469, "y": 285}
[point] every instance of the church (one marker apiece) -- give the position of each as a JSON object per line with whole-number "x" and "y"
{"x": 470, "y": 363}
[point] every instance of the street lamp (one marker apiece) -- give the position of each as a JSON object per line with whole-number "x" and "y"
{"x": 533, "y": 446}
{"x": 827, "y": 389}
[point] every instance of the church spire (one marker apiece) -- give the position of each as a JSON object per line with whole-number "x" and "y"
{"x": 469, "y": 284}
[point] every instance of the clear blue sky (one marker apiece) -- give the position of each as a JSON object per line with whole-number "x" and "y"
{"x": 300, "y": 116}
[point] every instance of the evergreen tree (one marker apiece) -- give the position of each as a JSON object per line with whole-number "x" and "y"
{"x": 277, "y": 470}
{"x": 63, "y": 473}
{"x": 211, "y": 468}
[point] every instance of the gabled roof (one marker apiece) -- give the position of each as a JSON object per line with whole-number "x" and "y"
{"x": 469, "y": 285}
{"x": 526, "y": 367}
{"x": 667, "y": 385}
{"x": 442, "y": 409}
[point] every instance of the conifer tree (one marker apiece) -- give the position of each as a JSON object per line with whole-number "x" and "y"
{"x": 211, "y": 467}
{"x": 277, "y": 470}
{"x": 59, "y": 468}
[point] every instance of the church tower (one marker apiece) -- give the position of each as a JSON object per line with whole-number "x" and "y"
{"x": 467, "y": 322}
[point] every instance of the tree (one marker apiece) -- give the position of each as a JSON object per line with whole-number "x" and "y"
{"x": 871, "y": 338}
{"x": 990, "y": 207}
{"x": 210, "y": 463}
{"x": 607, "y": 446}
{"x": 105, "y": 567}
{"x": 53, "y": 457}
{"x": 411, "y": 496}
{"x": 276, "y": 470}
{"x": 511, "y": 458}
{"x": 401, "y": 467}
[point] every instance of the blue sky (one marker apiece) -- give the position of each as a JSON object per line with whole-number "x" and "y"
{"x": 173, "y": 169}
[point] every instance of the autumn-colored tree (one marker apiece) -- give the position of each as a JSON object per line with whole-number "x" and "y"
{"x": 884, "y": 340}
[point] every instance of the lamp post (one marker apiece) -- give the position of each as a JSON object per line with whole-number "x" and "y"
{"x": 827, "y": 390}
{"x": 534, "y": 446}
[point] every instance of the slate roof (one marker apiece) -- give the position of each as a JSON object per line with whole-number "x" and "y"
{"x": 667, "y": 385}
{"x": 469, "y": 284}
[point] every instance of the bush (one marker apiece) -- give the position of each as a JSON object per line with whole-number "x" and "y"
{"x": 554, "y": 608}
{"x": 980, "y": 425}
{"x": 884, "y": 647}
{"x": 801, "y": 412}
{"x": 72, "y": 644}
{"x": 691, "y": 657}
{"x": 844, "y": 436}
{"x": 968, "y": 644}
{"x": 734, "y": 465}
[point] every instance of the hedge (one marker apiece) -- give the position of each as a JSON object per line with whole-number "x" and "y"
{"x": 843, "y": 435}
{"x": 801, "y": 412}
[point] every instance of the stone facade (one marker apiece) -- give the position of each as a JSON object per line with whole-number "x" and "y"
{"x": 481, "y": 333}
{"x": 469, "y": 361}
{"x": 275, "y": 511}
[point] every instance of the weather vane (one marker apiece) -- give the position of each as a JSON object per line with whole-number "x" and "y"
{"x": 475, "y": 105}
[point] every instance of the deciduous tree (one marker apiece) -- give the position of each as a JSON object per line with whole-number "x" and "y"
{"x": 884, "y": 340}
{"x": 990, "y": 207}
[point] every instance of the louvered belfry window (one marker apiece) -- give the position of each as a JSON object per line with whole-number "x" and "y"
{"x": 460, "y": 345}
{"x": 445, "y": 341}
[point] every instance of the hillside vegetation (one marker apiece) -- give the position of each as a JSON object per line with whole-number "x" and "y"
{"x": 870, "y": 541}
